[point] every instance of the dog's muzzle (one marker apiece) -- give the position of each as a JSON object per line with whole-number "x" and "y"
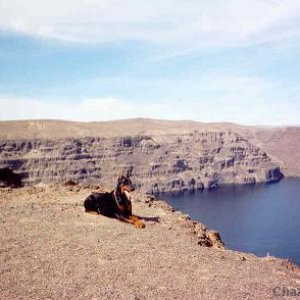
{"x": 128, "y": 196}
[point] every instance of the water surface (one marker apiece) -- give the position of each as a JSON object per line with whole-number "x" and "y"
{"x": 260, "y": 219}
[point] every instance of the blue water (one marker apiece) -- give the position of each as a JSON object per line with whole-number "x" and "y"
{"x": 260, "y": 219}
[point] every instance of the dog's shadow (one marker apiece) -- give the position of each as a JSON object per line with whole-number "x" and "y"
{"x": 151, "y": 219}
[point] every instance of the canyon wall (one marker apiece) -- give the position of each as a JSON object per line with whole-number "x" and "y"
{"x": 158, "y": 162}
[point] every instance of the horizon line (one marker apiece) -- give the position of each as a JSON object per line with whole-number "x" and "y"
{"x": 150, "y": 119}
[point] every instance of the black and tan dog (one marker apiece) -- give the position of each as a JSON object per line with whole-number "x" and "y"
{"x": 116, "y": 204}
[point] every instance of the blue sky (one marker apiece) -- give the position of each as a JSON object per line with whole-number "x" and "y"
{"x": 210, "y": 61}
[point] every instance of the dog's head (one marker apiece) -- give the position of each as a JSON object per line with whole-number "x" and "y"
{"x": 125, "y": 186}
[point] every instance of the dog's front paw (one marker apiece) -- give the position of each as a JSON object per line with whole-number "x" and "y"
{"x": 139, "y": 224}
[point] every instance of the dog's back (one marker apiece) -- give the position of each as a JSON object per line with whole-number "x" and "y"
{"x": 102, "y": 203}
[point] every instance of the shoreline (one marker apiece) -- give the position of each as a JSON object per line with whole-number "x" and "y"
{"x": 220, "y": 186}
{"x": 210, "y": 207}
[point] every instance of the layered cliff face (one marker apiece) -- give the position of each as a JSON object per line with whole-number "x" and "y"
{"x": 157, "y": 163}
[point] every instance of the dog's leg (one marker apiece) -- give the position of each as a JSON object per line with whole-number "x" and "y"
{"x": 134, "y": 218}
{"x": 129, "y": 212}
{"x": 137, "y": 223}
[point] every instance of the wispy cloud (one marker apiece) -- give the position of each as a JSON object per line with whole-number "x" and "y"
{"x": 244, "y": 100}
{"x": 95, "y": 109}
{"x": 190, "y": 23}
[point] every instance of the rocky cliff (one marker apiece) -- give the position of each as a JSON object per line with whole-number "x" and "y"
{"x": 195, "y": 158}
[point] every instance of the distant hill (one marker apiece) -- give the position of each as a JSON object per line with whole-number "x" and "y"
{"x": 52, "y": 129}
{"x": 282, "y": 143}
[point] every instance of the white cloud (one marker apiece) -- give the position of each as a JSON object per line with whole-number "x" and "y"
{"x": 96, "y": 109}
{"x": 245, "y": 106}
{"x": 191, "y": 23}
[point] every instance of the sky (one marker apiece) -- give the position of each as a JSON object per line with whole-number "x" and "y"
{"x": 203, "y": 60}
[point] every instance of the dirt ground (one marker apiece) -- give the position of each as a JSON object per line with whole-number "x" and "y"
{"x": 51, "y": 249}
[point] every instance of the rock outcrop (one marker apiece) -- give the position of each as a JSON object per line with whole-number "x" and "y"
{"x": 9, "y": 179}
{"x": 157, "y": 163}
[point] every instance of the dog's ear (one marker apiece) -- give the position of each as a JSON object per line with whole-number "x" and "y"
{"x": 128, "y": 173}
{"x": 122, "y": 173}
{"x": 125, "y": 173}
{"x": 129, "y": 170}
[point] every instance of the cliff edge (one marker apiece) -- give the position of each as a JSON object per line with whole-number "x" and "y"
{"x": 52, "y": 249}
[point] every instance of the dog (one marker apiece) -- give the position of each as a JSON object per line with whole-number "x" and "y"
{"x": 116, "y": 204}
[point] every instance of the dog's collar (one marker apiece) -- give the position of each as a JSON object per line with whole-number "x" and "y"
{"x": 117, "y": 198}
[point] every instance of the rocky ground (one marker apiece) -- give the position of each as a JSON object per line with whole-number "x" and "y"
{"x": 51, "y": 249}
